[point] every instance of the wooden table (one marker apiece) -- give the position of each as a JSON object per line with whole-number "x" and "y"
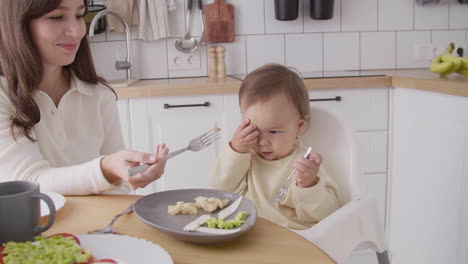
{"x": 266, "y": 242}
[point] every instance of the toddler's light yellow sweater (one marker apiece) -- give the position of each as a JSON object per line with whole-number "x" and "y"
{"x": 258, "y": 179}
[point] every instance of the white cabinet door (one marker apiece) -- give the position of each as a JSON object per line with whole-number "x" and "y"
{"x": 232, "y": 116}
{"x": 175, "y": 121}
{"x": 124, "y": 117}
{"x": 428, "y": 206}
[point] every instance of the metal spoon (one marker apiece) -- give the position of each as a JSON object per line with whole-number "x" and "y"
{"x": 187, "y": 44}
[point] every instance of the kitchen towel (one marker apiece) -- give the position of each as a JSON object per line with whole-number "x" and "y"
{"x": 150, "y": 15}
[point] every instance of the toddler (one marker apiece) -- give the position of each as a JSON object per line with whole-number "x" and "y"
{"x": 265, "y": 148}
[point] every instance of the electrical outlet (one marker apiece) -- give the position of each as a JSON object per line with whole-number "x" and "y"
{"x": 182, "y": 61}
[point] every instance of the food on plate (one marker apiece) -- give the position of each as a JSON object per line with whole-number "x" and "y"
{"x": 60, "y": 248}
{"x": 237, "y": 221}
{"x": 207, "y": 204}
{"x": 182, "y": 208}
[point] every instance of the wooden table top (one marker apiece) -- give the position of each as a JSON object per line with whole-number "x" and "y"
{"x": 266, "y": 242}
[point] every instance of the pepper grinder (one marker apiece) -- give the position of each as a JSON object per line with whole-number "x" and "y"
{"x": 213, "y": 62}
{"x": 221, "y": 64}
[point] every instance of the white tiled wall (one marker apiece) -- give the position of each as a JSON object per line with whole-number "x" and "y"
{"x": 363, "y": 34}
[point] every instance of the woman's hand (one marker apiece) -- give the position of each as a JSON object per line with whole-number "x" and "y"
{"x": 245, "y": 137}
{"x": 115, "y": 167}
{"x": 307, "y": 169}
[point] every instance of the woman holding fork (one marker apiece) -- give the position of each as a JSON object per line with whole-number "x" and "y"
{"x": 59, "y": 124}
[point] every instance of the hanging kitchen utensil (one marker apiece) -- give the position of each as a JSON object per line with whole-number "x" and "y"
{"x": 286, "y": 9}
{"x": 321, "y": 9}
{"x": 187, "y": 44}
{"x": 219, "y": 19}
{"x": 425, "y": 2}
{"x": 202, "y": 21}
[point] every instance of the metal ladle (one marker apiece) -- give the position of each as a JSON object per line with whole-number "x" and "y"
{"x": 187, "y": 44}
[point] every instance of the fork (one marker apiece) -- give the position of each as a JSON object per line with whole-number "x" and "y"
{"x": 284, "y": 189}
{"x": 109, "y": 229}
{"x": 195, "y": 144}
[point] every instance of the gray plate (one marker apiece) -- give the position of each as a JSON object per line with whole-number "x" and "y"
{"x": 152, "y": 210}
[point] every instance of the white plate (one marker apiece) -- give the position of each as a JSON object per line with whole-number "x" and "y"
{"x": 124, "y": 249}
{"x": 58, "y": 199}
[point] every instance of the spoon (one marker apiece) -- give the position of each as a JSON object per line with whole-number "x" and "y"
{"x": 187, "y": 44}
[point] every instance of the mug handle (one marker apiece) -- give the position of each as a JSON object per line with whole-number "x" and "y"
{"x": 51, "y": 205}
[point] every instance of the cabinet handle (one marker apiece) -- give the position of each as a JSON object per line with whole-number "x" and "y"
{"x": 167, "y": 106}
{"x": 337, "y": 98}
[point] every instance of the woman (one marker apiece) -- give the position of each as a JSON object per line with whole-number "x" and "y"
{"x": 59, "y": 124}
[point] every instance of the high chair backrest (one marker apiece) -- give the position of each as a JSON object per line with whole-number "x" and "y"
{"x": 329, "y": 135}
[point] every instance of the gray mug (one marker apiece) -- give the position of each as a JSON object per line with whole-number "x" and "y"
{"x": 20, "y": 211}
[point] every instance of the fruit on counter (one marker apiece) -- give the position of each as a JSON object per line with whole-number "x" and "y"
{"x": 438, "y": 66}
{"x": 463, "y": 71}
{"x": 447, "y": 63}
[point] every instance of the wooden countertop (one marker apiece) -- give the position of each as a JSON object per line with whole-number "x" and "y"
{"x": 421, "y": 79}
{"x": 266, "y": 242}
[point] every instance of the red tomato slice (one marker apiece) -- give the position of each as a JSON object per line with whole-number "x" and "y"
{"x": 1, "y": 254}
{"x": 77, "y": 240}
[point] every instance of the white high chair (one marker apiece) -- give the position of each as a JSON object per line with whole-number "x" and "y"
{"x": 355, "y": 225}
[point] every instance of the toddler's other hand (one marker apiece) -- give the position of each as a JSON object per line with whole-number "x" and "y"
{"x": 245, "y": 137}
{"x": 307, "y": 169}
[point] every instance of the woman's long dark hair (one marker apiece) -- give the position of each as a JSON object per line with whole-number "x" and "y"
{"x": 21, "y": 63}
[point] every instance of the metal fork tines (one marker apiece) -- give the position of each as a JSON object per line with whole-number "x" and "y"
{"x": 284, "y": 189}
{"x": 195, "y": 144}
{"x": 108, "y": 229}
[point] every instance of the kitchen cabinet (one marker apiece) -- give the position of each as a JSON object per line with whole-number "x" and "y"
{"x": 428, "y": 212}
{"x": 124, "y": 116}
{"x": 175, "y": 121}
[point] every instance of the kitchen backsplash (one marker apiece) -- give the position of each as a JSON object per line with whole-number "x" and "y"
{"x": 363, "y": 34}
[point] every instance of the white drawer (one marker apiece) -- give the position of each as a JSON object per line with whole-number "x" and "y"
{"x": 365, "y": 108}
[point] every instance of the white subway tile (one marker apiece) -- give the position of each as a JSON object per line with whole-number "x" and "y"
{"x": 406, "y": 43}
{"x": 378, "y": 50}
{"x": 249, "y": 16}
{"x": 359, "y": 15}
{"x": 431, "y": 16}
{"x": 236, "y": 61}
{"x": 277, "y": 26}
{"x": 341, "y": 51}
{"x": 396, "y": 14}
{"x": 105, "y": 56}
{"x": 98, "y": 37}
{"x": 447, "y": 36}
{"x": 262, "y": 49}
{"x": 458, "y": 15}
{"x": 304, "y": 51}
{"x": 151, "y": 59}
{"x": 113, "y": 36}
{"x": 330, "y": 25}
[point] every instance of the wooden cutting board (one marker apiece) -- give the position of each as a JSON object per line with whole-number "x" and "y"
{"x": 219, "y": 22}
